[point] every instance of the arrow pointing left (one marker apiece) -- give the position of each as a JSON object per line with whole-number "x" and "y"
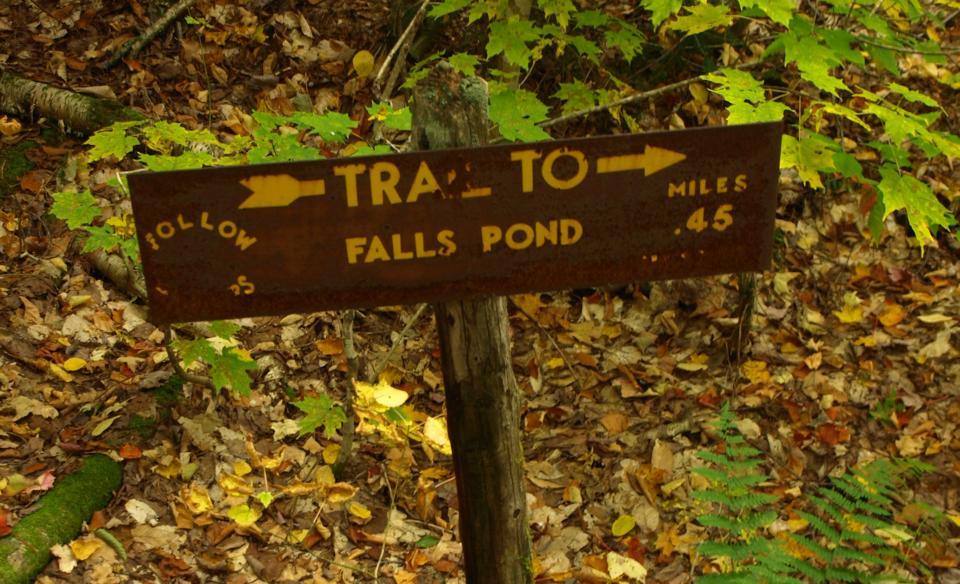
{"x": 279, "y": 190}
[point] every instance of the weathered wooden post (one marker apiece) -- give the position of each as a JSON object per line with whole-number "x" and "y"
{"x": 483, "y": 402}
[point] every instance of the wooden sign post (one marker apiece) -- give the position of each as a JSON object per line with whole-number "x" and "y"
{"x": 482, "y": 398}
{"x": 460, "y": 224}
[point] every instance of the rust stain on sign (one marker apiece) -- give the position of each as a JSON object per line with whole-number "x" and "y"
{"x": 437, "y": 225}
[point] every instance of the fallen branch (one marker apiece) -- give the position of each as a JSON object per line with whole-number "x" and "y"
{"x": 350, "y": 352}
{"x": 399, "y": 50}
{"x": 80, "y": 113}
{"x": 134, "y": 46}
{"x": 58, "y": 518}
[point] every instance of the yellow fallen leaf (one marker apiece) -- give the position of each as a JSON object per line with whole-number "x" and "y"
{"x": 59, "y": 372}
{"x": 74, "y": 364}
{"x": 363, "y": 63}
{"x": 389, "y": 396}
{"x": 755, "y": 371}
{"x": 699, "y": 93}
{"x": 892, "y": 314}
{"x": 265, "y": 498}
{"x": 623, "y": 525}
{"x": 75, "y": 301}
{"x": 241, "y": 468}
{"x": 851, "y": 312}
{"x": 359, "y": 510}
{"x": 330, "y": 453}
{"x": 197, "y": 500}
{"x": 623, "y": 567}
{"x": 103, "y": 425}
{"x": 9, "y": 126}
{"x": 340, "y": 492}
{"x": 233, "y": 484}
{"x": 696, "y": 362}
{"x": 85, "y": 547}
{"x": 243, "y": 515}
{"x": 935, "y": 318}
{"x": 435, "y": 431}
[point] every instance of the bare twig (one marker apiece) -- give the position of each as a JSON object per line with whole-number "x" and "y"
{"x": 382, "y": 364}
{"x": 177, "y": 367}
{"x": 546, "y": 333}
{"x": 350, "y": 352}
{"x": 640, "y": 96}
{"x": 399, "y": 51}
{"x": 386, "y": 527}
{"x": 133, "y": 47}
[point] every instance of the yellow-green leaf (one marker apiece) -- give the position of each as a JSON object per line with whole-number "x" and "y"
{"x": 243, "y": 515}
{"x": 623, "y": 525}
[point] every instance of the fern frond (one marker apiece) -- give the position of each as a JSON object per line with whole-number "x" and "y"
{"x": 857, "y": 556}
{"x": 841, "y": 574}
{"x": 821, "y": 527}
{"x": 828, "y": 508}
{"x": 822, "y": 553}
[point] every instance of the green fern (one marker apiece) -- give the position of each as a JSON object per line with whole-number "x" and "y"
{"x": 847, "y": 519}
{"x": 734, "y": 477}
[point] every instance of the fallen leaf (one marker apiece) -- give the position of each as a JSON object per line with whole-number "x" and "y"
{"x": 85, "y": 547}
{"x": 623, "y": 525}
{"x": 892, "y": 314}
{"x": 623, "y": 567}
{"x": 74, "y": 364}
{"x": 363, "y": 63}
{"x": 243, "y": 515}
{"x": 615, "y": 422}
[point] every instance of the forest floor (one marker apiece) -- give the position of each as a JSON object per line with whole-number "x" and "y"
{"x": 852, "y": 356}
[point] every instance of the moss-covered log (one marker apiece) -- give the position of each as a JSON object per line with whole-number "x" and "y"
{"x": 58, "y": 518}
{"x": 83, "y": 114}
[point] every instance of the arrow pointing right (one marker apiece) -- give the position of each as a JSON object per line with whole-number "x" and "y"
{"x": 652, "y": 159}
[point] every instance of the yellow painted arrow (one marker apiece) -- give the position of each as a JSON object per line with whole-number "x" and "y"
{"x": 651, "y": 160}
{"x": 278, "y": 190}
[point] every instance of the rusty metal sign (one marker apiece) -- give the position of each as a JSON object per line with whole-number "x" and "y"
{"x": 439, "y": 225}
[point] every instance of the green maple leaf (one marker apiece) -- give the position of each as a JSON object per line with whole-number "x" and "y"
{"x": 516, "y": 112}
{"x": 591, "y": 18}
{"x": 465, "y": 63}
{"x": 813, "y": 59}
{"x": 779, "y": 11}
{"x": 330, "y": 126}
{"x": 320, "y": 411}
{"x": 810, "y": 155}
{"x": 510, "y": 37}
{"x": 701, "y": 18}
{"x": 575, "y": 96}
{"x": 101, "y": 237}
{"x": 77, "y": 209}
{"x": 113, "y": 141}
{"x": 189, "y": 159}
{"x": 661, "y": 10}
{"x": 746, "y": 96}
{"x": 625, "y": 37}
{"x": 560, "y": 10}
{"x": 902, "y": 191}
{"x": 229, "y": 369}
{"x": 224, "y": 329}
{"x": 131, "y": 248}
{"x": 193, "y": 349}
{"x": 448, "y": 7}
{"x": 160, "y": 135}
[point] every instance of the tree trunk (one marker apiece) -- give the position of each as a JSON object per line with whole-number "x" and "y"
{"x": 483, "y": 402}
{"x": 58, "y": 518}
{"x": 83, "y": 114}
